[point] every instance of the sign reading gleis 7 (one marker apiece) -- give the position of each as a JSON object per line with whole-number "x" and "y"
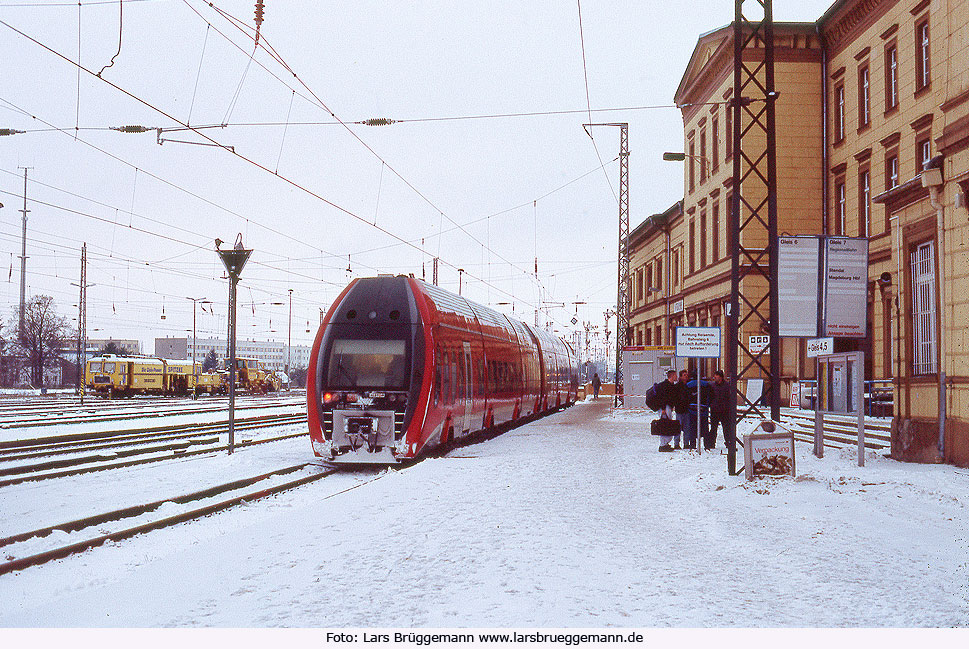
{"x": 846, "y": 288}
{"x": 822, "y": 286}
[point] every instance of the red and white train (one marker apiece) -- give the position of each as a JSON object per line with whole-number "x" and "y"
{"x": 400, "y": 367}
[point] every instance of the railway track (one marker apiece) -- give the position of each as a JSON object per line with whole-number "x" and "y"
{"x": 18, "y": 553}
{"x": 838, "y": 432}
{"x": 127, "y": 448}
{"x": 46, "y": 416}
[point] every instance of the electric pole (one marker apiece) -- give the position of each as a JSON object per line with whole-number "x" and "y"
{"x": 23, "y": 261}
{"x": 622, "y": 296}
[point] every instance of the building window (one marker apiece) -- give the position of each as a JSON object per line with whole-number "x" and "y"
{"x": 703, "y": 238}
{"x": 728, "y": 133}
{"x": 692, "y": 165}
{"x": 715, "y": 143}
{"x": 891, "y": 171}
{"x": 715, "y": 230}
{"x": 864, "y": 203}
{"x": 839, "y": 215}
{"x": 923, "y": 64}
{"x": 639, "y": 283}
{"x": 649, "y": 282}
{"x": 864, "y": 97}
{"x": 923, "y": 151}
{"x": 923, "y": 309}
{"x": 703, "y": 155}
{"x": 692, "y": 245}
{"x": 839, "y": 113}
{"x": 659, "y": 334}
{"x": 659, "y": 274}
{"x": 675, "y": 270}
{"x": 891, "y": 77}
{"x": 649, "y": 336}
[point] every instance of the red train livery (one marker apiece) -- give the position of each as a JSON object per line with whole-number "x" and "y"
{"x": 399, "y": 367}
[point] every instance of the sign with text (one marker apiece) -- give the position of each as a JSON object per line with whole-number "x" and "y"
{"x": 820, "y": 347}
{"x": 846, "y": 287}
{"x": 769, "y": 454}
{"x": 678, "y": 306}
{"x": 798, "y": 268}
{"x": 698, "y": 342}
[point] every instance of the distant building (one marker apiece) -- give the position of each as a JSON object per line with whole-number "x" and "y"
{"x": 130, "y": 346}
{"x": 271, "y": 353}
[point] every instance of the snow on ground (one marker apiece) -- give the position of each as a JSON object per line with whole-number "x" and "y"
{"x": 572, "y": 521}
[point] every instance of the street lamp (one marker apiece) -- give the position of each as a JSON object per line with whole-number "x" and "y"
{"x": 234, "y": 260}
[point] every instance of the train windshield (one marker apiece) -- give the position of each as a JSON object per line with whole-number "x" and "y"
{"x": 368, "y": 364}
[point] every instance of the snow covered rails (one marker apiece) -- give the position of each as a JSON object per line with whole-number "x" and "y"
{"x": 399, "y": 367}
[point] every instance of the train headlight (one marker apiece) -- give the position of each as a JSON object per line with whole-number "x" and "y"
{"x": 328, "y": 397}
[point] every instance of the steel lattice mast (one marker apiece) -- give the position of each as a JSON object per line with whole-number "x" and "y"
{"x": 753, "y": 290}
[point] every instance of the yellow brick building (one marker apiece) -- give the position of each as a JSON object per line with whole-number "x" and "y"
{"x": 869, "y": 94}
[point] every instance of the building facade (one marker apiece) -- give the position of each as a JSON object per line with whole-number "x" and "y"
{"x": 273, "y": 355}
{"x": 872, "y": 141}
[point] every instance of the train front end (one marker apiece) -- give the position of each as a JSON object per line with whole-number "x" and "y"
{"x": 366, "y": 373}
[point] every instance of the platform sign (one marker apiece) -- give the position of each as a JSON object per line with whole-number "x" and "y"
{"x": 846, "y": 287}
{"x": 820, "y": 347}
{"x": 698, "y": 342}
{"x": 798, "y": 269}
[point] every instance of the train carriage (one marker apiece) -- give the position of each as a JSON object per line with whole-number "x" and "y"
{"x": 399, "y": 367}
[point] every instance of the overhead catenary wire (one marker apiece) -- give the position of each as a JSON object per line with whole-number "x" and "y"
{"x": 404, "y": 242}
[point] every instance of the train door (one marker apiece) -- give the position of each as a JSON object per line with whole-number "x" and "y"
{"x": 467, "y": 385}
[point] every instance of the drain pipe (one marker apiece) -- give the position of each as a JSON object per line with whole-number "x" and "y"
{"x": 932, "y": 179}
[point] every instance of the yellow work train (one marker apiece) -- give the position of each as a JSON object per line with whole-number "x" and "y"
{"x": 124, "y": 376}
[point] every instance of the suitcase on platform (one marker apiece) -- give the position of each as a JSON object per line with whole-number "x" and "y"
{"x": 663, "y": 426}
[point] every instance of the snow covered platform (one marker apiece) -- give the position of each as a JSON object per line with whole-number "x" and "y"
{"x": 572, "y": 521}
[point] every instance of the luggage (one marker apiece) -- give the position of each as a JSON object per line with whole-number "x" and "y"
{"x": 652, "y": 398}
{"x": 663, "y": 426}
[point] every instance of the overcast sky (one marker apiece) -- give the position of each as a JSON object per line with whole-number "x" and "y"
{"x": 485, "y": 194}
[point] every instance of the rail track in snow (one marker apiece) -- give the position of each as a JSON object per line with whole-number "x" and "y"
{"x": 100, "y": 451}
{"x": 130, "y": 521}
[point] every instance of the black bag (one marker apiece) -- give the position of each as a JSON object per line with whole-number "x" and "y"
{"x": 664, "y": 426}
{"x": 652, "y": 398}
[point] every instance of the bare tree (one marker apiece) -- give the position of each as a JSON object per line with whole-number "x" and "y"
{"x": 43, "y": 338}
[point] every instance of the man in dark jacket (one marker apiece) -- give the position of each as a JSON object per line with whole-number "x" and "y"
{"x": 699, "y": 423}
{"x": 667, "y": 397}
{"x": 719, "y": 410}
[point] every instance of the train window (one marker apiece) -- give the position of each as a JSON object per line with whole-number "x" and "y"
{"x": 446, "y": 388}
{"x": 437, "y": 378}
{"x": 368, "y": 363}
{"x": 109, "y": 368}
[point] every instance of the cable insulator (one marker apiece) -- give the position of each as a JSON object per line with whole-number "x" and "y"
{"x": 379, "y": 121}
{"x": 131, "y": 128}
{"x": 260, "y": 9}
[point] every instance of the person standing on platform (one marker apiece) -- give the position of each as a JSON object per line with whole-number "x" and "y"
{"x": 596, "y": 384}
{"x": 699, "y": 424}
{"x": 682, "y": 407}
{"x": 719, "y": 410}
{"x": 667, "y": 398}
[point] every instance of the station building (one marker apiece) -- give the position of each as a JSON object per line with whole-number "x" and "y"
{"x": 872, "y": 140}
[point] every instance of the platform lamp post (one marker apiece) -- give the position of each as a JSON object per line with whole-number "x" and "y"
{"x": 234, "y": 260}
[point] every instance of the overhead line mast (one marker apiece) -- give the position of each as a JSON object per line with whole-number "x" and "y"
{"x": 622, "y": 295}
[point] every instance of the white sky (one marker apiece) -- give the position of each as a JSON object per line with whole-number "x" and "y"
{"x": 151, "y": 213}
